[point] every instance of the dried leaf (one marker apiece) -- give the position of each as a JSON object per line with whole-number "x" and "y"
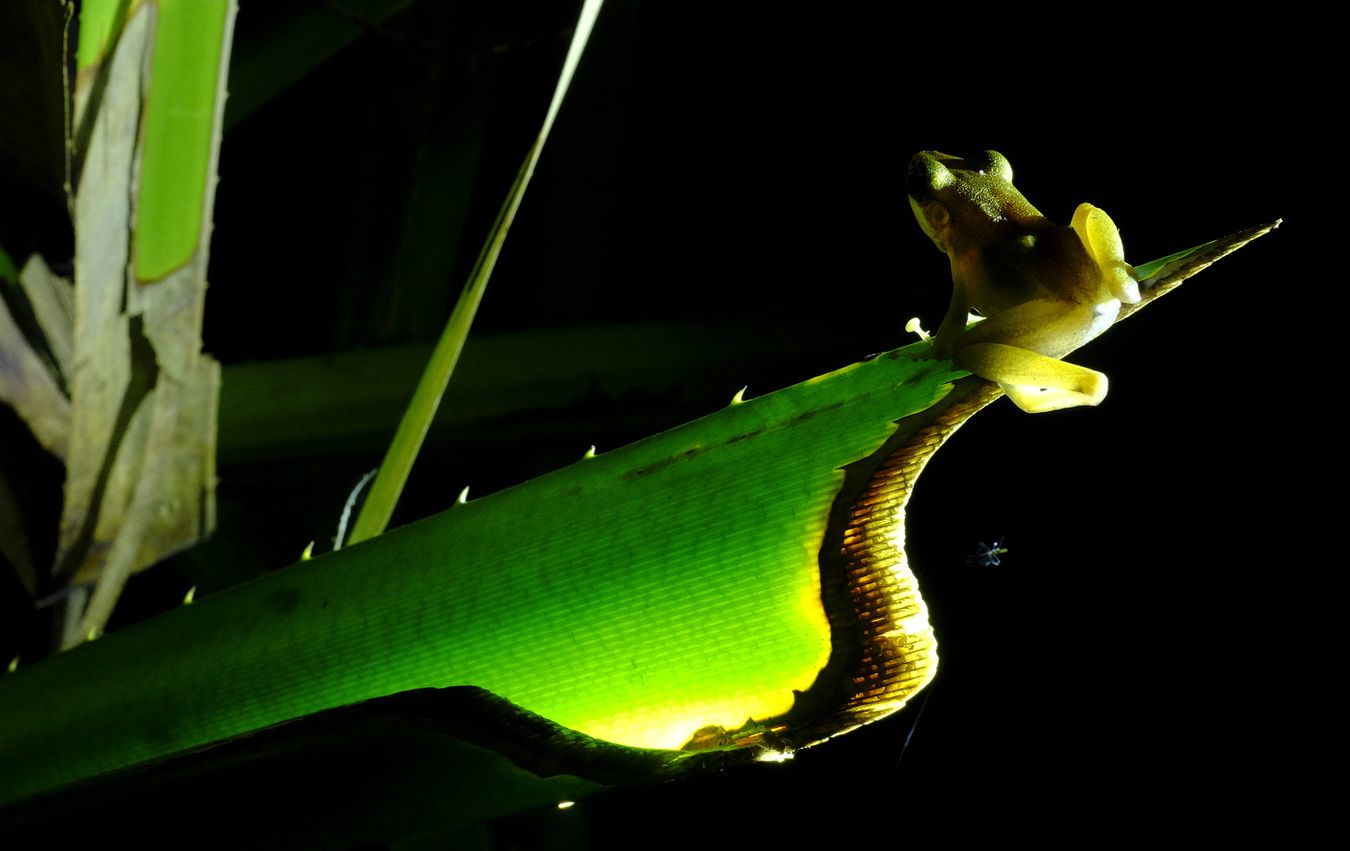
{"x": 28, "y": 386}
{"x": 53, "y": 301}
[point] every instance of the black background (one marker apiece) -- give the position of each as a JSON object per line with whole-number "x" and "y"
{"x": 1151, "y": 638}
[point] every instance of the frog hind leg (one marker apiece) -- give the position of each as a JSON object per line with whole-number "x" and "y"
{"x": 1034, "y": 382}
{"x": 1018, "y": 348}
{"x": 1044, "y": 326}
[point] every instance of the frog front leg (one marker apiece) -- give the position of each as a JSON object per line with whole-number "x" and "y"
{"x": 1018, "y": 349}
{"x": 953, "y": 326}
{"x": 1101, "y": 240}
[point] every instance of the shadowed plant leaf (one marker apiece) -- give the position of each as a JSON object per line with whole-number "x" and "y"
{"x": 412, "y": 430}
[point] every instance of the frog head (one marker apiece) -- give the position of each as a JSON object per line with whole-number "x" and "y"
{"x": 965, "y": 204}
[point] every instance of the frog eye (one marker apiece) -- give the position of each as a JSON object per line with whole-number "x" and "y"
{"x": 927, "y": 175}
{"x": 992, "y": 162}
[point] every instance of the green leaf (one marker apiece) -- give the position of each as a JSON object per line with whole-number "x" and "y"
{"x": 9, "y": 273}
{"x": 412, "y": 430}
{"x": 186, "y": 78}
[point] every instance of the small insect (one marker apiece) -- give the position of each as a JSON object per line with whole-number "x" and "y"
{"x": 987, "y": 555}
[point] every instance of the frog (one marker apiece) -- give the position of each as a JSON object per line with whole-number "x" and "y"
{"x": 1040, "y": 290}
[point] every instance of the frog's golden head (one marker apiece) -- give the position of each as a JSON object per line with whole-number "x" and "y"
{"x": 956, "y": 198}
{"x": 932, "y": 171}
